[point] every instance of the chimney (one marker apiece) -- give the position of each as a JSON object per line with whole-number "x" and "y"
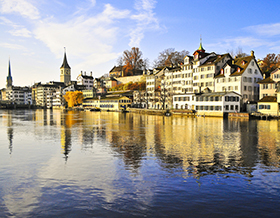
{"x": 90, "y": 73}
{"x": 85, "y": 73}
{"x": 81, "y": 72}
{"x": 252, "y": 53}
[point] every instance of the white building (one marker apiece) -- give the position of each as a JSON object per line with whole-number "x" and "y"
{"x": 209, "y": 104}
{"x": 85, "y": 80}
{"x": 240, "y": 75}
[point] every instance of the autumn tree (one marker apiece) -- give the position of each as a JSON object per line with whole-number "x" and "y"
{"x": 270, "y": 63}
{"x": 73, "y": 98}
{"x": 132, "y": 60}
{"x": 170, "y": 57}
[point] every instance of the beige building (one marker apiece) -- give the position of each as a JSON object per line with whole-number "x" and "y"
{"x": 107, "y": 103}
{"x": 268, "y": 85}
{"x": 268, "y": 105}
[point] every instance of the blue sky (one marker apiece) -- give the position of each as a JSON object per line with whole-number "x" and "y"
{"x": 33, "y": 33}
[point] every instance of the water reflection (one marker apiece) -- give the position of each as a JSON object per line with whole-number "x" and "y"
{"x": 118, "y": 161}
{"x": 200, "y": 146}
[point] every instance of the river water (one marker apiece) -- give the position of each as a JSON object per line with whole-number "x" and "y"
{"x": 107, "y": 164}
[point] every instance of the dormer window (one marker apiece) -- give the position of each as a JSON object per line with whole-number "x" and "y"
{"x": 243, "y": 62}
{"x": 222, "y": 71}
{"x": 238, "y": 69}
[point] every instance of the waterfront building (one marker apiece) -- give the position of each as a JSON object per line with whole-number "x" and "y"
{"x": 15, "y": 94}
{"x": 85, "y": 80}
{"x": 269, "y": 105}
{"x": 268, "y": 85}
{"x": 140, "y": 99}
{"x": 240, "y": 75}
{"x": 107, "y": 103}
{"x": 210, "y": 103}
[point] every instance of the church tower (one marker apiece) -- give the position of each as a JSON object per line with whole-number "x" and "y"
{"x": 65, "y": 71}
{"x": 9, "y": 83}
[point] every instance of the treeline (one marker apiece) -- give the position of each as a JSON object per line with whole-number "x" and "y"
{"x": 130, "y": 86}
{"x": 270, "y": 63}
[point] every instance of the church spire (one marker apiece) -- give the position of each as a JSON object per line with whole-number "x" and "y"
{"x": 9, "y": 77}
{"x": 200, "y": 46}
{"x": 65, "y": 63}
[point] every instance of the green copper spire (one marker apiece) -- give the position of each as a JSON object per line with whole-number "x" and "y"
{"x": 200, "y": 46}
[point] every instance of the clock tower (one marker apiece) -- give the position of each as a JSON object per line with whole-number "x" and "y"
{"x": 65, "y": 71}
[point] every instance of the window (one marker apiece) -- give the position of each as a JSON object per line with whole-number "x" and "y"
{"x": 231, "y": 107}
{"x": 227, "y": 107}
{"x": 244, "y": 79}
{"x": 249, "y": 88}
{"x": 250, "y": 70}
{"x": 236, "y": 87}
{"x": 245, "y": 88}
{"x": 256, "y": 71}
{"x": 250, "y": 79}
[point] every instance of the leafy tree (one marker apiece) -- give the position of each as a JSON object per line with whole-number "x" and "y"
{"x": 73, "y": 98}
{"x": 170, "y": 57}
{"x": 130, "y": 86}
{"x": 270, "y": 63}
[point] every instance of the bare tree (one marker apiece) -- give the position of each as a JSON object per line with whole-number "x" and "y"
{"x": 238, "y": 53}
{"x": 170, "y": 57}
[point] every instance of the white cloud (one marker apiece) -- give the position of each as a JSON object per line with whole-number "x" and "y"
{"x": 89, "y": 39}
{"x": 145, "y": 20}
{"x": 265, "y": 29}
{"x": 18, "y": 30}
{"x": 12, "y": 46}
{"x": 233, "y": 43}
{"x": 23, "y": 32}
{"x": 22, "y": 7}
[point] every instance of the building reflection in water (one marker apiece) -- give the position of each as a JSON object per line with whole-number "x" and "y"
{"x": 197, "y": 146}
{"x": 269, "y": 142}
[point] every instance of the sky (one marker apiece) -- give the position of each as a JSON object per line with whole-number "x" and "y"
{"x": 34, "y": 33}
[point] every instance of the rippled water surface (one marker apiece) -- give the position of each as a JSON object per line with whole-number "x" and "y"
{"x": 106, "y": 164}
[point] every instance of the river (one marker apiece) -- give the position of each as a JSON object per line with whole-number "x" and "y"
{"x": 109, "y": 164}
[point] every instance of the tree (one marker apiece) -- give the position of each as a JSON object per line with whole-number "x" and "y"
{"x": 132, "y": 60}
{"x": 270, "y": 63}
{"x": 170, "y": 57}
{"x": 238, "y": 53}
{"x": 73, "y": 98}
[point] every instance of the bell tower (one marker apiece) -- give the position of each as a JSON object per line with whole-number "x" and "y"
{"x": 65, "y": 71}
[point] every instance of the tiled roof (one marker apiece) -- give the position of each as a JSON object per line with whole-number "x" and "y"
{"x": 268, "y": 99}
{"x": 238, "y": 62}
{"x": 266, "y": 80}
{"x": 116, "y": 69}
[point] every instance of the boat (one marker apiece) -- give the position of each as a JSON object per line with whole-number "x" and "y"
{"x": 95, "y": 109}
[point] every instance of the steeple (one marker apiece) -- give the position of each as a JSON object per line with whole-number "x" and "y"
{"x": 9, "y": 77}
{"x": 65, "y": 71}
{"x": 65, "y": 63}
{"x": 200, "y": 46}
